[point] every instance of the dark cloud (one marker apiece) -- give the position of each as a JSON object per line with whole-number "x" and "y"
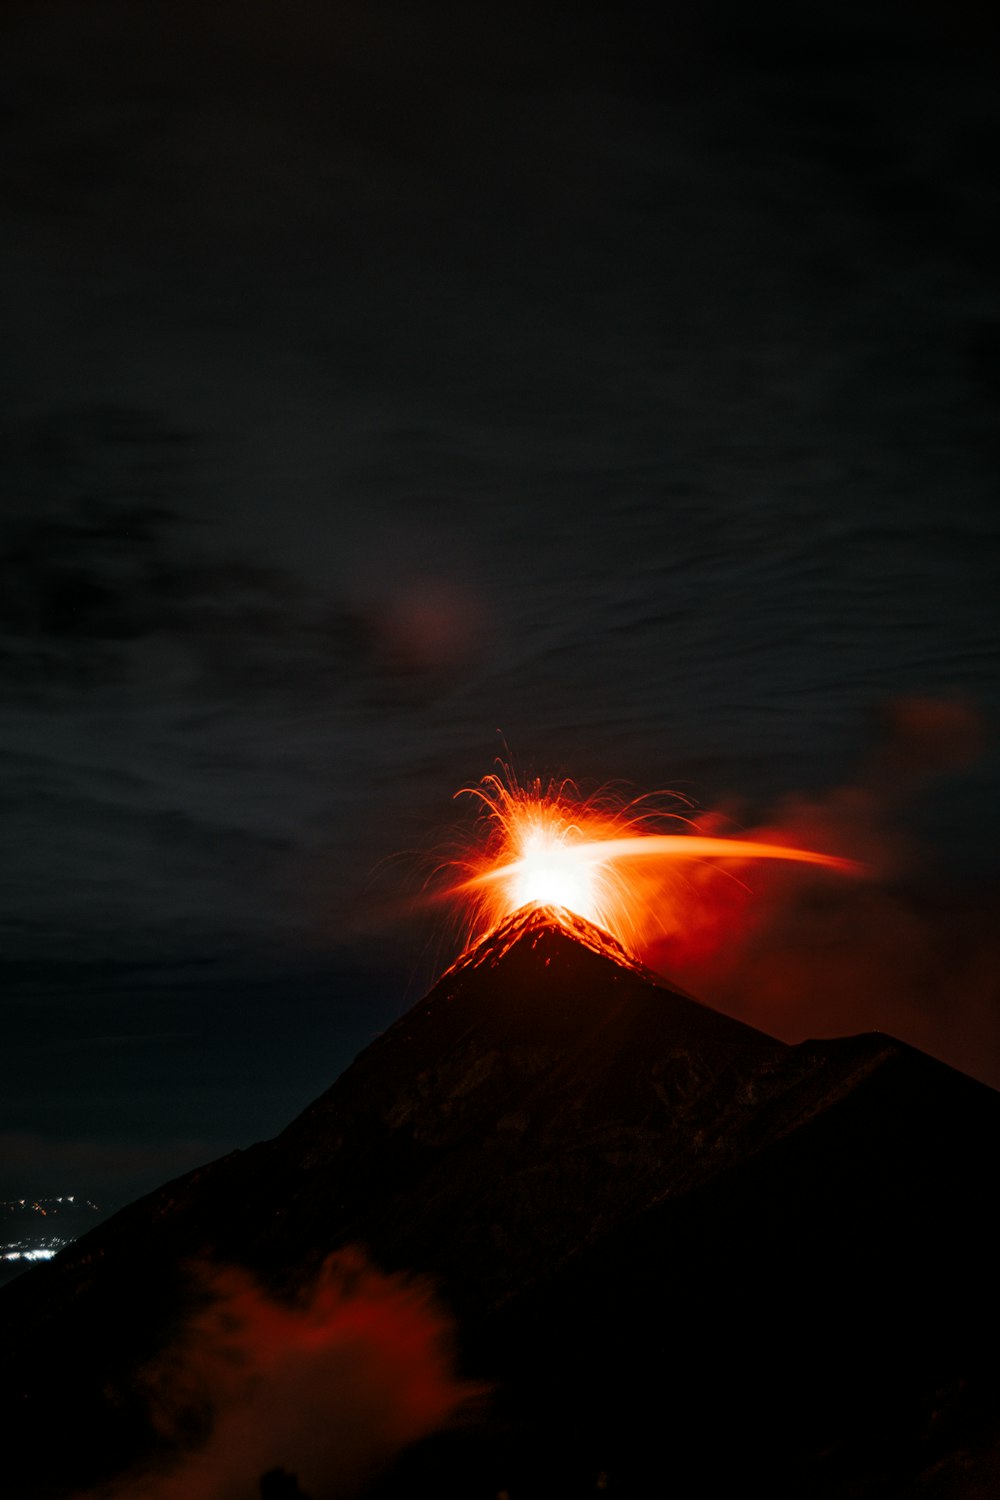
{"x": 94, "y": 564}
{"x": 90, "y": 550}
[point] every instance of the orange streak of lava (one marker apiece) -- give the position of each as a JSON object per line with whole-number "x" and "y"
{"x": 546, "y": 846}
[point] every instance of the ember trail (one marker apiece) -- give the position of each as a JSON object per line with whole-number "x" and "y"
{"x": 598, "y": 858}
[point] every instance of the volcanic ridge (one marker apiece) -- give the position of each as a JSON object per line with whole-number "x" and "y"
{"x": 685, "y": 1257}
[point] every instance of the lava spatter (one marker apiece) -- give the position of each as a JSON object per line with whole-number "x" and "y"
{"x": 543, "y": 845}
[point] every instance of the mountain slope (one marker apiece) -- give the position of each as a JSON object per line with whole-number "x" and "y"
{"x": 595, "y": 1170}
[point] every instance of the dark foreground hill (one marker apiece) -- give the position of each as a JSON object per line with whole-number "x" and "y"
{"x": 690, "y": 1260}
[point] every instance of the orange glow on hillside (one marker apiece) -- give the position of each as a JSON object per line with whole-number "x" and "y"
{"x": 601, "y": 859}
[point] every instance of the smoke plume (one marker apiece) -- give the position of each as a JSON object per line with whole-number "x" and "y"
{"x": 903, "y": 950}
{"x": 327, "y": 1388}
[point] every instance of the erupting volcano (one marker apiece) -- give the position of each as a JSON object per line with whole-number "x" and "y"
{"x": 599, "y": 858}
{"x": 678, "y": 1255}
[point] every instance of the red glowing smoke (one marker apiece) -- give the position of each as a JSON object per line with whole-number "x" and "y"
{"x": 328, "y": 1387}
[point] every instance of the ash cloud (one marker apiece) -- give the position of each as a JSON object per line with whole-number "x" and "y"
{"x": 904, "y": 949}
{"x": 327, "y": 1387}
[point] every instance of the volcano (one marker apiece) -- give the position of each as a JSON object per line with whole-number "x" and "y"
{"x": 686, "y": 1257}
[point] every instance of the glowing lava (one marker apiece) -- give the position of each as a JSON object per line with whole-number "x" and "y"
{"x": 550, "y": 873}
{"x": 597, "y": 858}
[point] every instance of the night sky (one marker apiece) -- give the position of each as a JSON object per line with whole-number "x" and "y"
{"x": 378, "y": 377}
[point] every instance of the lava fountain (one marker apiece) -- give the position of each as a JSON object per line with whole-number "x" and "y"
{"x": 598, "y": 858}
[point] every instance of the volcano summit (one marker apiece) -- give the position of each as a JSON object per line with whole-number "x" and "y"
{"x": 685, "y": 1257}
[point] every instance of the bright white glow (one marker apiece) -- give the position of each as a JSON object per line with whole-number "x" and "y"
{"x": 552, "y": 873}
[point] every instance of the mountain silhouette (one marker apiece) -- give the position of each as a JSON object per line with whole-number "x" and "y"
{"x": 687, "y": 1258}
